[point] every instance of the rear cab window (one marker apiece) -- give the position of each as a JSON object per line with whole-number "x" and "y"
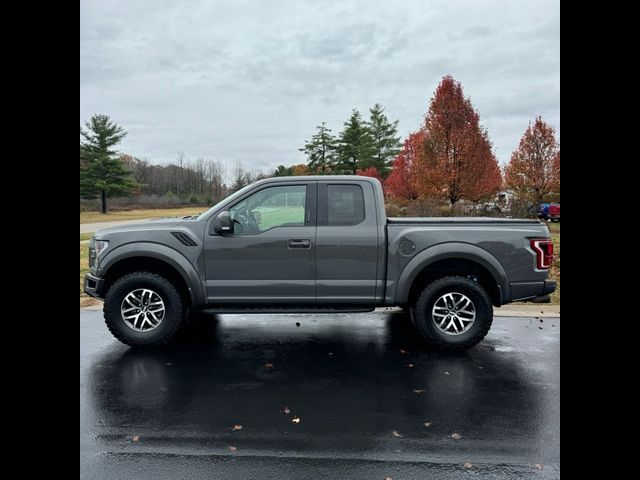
{"x": 345, "y": 205}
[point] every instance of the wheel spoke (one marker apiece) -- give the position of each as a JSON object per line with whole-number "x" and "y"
{"x": 137, "y": 322}
{"x": 452, "y": 323}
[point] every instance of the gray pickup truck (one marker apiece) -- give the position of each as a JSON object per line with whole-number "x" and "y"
{"x": 316, "y": 244}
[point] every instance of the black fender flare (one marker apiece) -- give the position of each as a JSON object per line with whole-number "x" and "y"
{"x": 157, "y": 251}
{"x": 450, "y": 250}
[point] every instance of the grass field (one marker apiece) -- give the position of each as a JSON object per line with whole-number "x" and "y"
{"x": 84, "y": 264}
{"x": 94, "y": 217}
{"x": 278, "y": 216}
{"x": 554, "y": 274}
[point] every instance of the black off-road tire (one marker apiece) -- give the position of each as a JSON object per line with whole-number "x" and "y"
{"x": 170, "y": 324}
{"x": 423, "y": 321}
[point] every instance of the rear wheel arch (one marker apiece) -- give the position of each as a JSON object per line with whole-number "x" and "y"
{"x": 453, "y": 259}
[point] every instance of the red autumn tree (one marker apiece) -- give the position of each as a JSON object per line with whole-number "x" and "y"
{"x": 300, "y": 169}
{"x": 457, "y": 161}
{"x": 370, "y": 172}
{"x": 399, "y": 185}
{"x": 534, "y": 170}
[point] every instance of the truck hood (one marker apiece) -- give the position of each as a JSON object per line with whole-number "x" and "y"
{"x": 144, "y": 225}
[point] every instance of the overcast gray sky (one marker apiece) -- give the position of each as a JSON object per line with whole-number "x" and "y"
{"x": 248, "y": 80}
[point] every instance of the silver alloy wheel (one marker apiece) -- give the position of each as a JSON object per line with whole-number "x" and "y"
{"x": 453, "y": 313}
{"x": 142, "y": 310}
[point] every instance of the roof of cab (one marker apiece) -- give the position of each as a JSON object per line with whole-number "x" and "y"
{"x": 310, "y": 178}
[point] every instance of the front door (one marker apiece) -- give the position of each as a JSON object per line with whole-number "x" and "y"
{"x": 270, "y": 256}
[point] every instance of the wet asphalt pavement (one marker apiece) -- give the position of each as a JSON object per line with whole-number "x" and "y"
{"x": 346, "y": 377}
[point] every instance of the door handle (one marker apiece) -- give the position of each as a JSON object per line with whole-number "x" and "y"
{"x": 299, "y": 243}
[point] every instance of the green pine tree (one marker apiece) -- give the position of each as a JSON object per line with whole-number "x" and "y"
{"x": 101, "y": 170}
{"x": 385, "y": 139}
{"x": 355, "y": 145}
{"x": 321, "y": 151}
{"x": 282, "y": 171}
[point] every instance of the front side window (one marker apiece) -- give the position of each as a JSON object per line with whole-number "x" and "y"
{"x": 345, "y": 204}
{"x": 269, "y": 208}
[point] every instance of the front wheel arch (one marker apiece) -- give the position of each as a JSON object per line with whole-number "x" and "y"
{"x": 128, "y": 265}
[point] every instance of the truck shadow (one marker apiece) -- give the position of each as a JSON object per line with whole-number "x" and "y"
{"x": 345, "y": 377}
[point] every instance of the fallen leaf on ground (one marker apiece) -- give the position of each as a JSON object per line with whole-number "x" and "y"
{"x": 286, "y": 411}
{"x": 232, "y": 448}
{"x": 539, "y": 466}
{"x": 467, "y": 465}
{"x": 481, "y": 368}
{"x": 446, "y": 373}
{"x": 268, "y": 365}
{"x": 456, "y": 436}
{"x": 136, "y": 438}
{"x": 540, "y": 328}
{"x": 396, "y": 434}
{"x": 541, "y": 311}
{"x": 168, "y": 364}
{"x": 427, "y": 424}
{"x": 236, "y": 427}
{"x": 330, "y": 353}
{"x": 410, "y": 365}
{"x": 295, "y": 419}
{"x": 541, "y": 321}
{"x": 419, "y": 391}
{"x": 297, "y": 324}
{"x": 403, "y": 351}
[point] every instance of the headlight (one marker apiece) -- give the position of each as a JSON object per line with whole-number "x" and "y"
{"x": 100, "y": 246}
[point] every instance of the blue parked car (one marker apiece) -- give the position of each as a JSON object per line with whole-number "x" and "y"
{"x": 549, "y": 211}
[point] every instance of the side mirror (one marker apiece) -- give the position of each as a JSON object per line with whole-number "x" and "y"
{"x": 223, "y": 223}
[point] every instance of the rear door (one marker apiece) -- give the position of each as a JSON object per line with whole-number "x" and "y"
{"x": 346, "y": 244}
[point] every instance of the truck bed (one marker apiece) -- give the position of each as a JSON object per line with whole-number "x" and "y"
{"x": 475, "y": 220}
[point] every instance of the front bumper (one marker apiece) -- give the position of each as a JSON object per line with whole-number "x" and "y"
{"x": 93, "y": 285}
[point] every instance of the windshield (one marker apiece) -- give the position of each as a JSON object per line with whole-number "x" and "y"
{"x": 230, "y": 197}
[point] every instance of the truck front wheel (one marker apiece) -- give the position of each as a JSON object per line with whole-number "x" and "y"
{"x": 452, "y": 313}
{"x": 143, "y": 309}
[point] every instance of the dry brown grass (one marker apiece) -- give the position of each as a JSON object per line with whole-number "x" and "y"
{"x": 94, "y": 217}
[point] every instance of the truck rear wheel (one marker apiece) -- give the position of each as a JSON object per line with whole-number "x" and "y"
{"x": 143, "y": 309}
{"x": 452, "y": 313}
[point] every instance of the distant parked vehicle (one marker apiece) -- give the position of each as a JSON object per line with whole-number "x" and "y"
{"x": 554, "y": 212}
{"x": 549, "y": 211}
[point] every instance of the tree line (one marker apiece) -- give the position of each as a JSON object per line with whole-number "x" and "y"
{"x": 362, "y": 145}
{"x": 106, "y": 173}
{"x": 448, "y": 158}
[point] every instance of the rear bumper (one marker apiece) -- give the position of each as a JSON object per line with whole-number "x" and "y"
{"x": 531, "y": 290}
{"x": 549, "y": 287}
{"x": 93, "y": 285}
